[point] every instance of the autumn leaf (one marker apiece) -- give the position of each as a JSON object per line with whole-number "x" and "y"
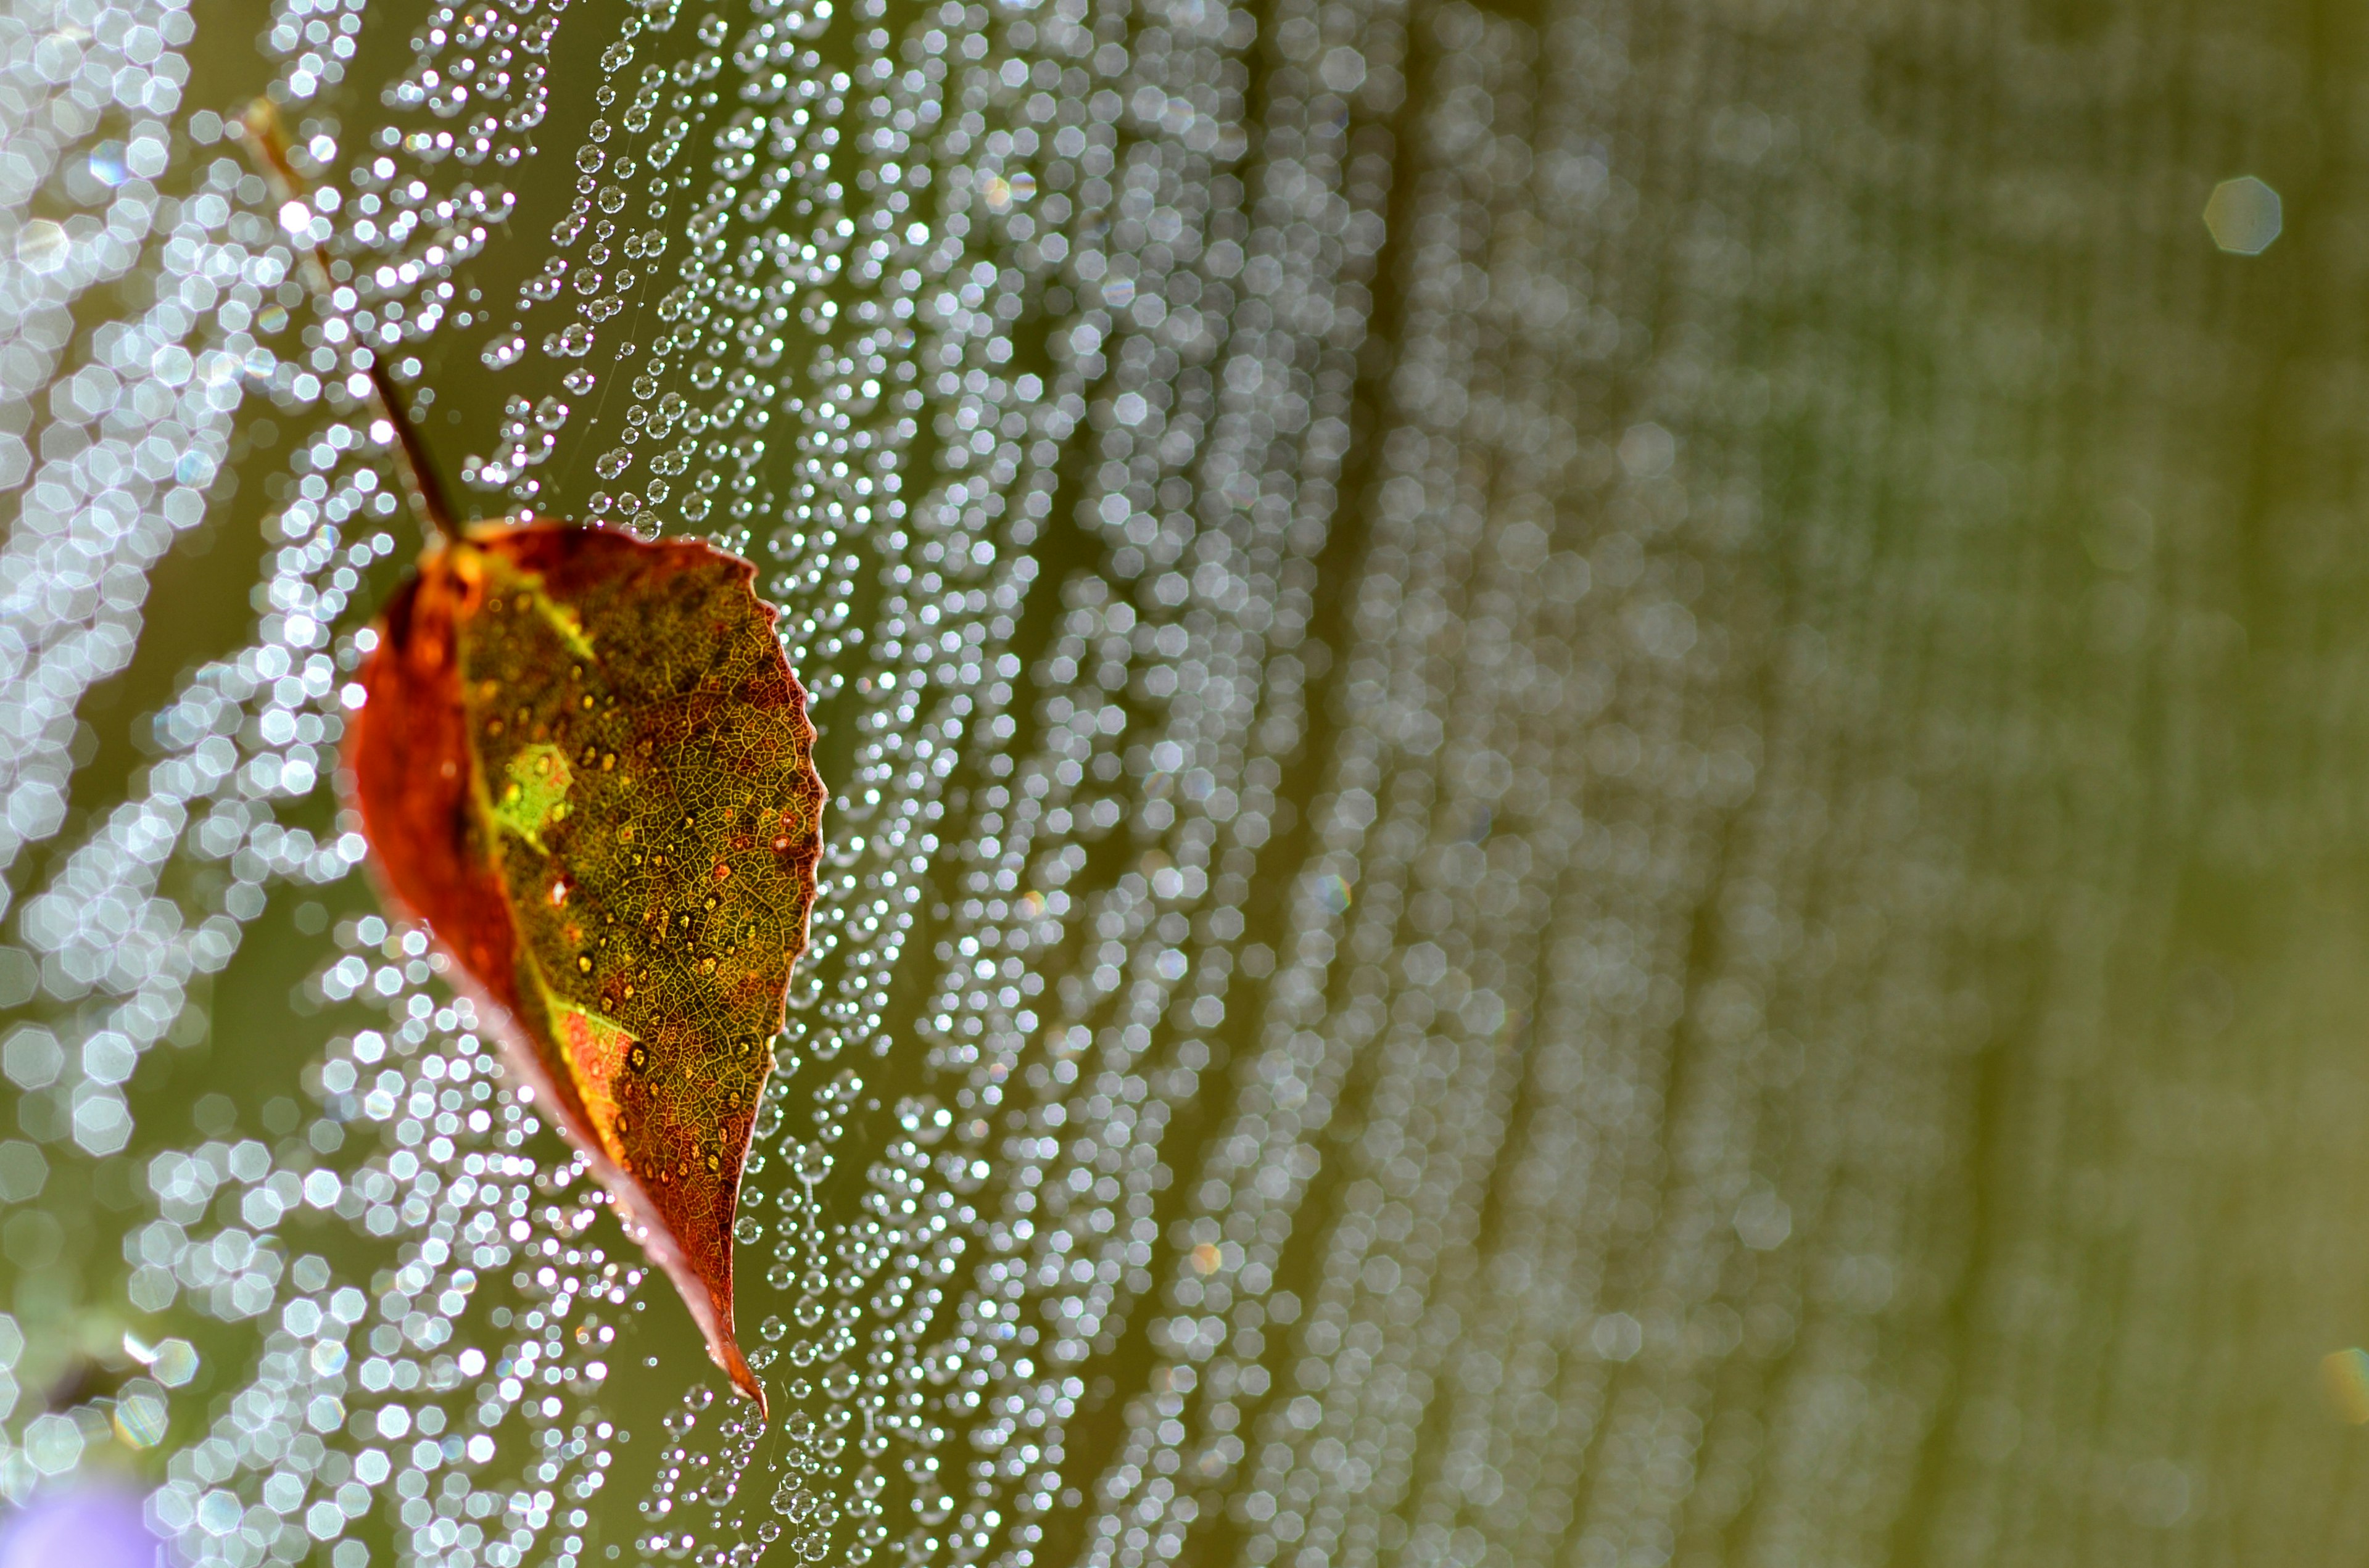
{"x": 582, "y": 760}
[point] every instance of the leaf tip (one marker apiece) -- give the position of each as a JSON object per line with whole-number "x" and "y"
{"x": 726, "y": 1351}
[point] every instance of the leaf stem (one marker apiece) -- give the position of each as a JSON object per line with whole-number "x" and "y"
{"x": 267, "y": 142}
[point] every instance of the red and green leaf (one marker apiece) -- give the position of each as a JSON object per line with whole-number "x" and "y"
{"x": 583, "y": 761}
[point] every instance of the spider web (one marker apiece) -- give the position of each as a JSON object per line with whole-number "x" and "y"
{"x": 1382, "y": 989}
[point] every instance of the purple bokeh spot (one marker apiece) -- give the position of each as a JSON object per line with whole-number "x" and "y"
{"x": 89, "y": 1527}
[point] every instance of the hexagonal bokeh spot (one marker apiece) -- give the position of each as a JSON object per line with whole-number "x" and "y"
{"x": 32, "y": 1058}
{"x": 102, "y": 1123}
{"x": 2244, "y": 215}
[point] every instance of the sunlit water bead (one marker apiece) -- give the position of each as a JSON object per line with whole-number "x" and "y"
{"x": 1103, "y": 621}
{"x": 857, "y": 1297}
{"x": 1469, "y": 858}
{"x": 245, "y": 732}
{"x": 1222, "y": 597}
{"x": 1542, "y": 1284}
{"x": 102, "y": 895}
{"x": 1419, "y": 1057}
{"x": 110, "y": 936}
{"x": 406, "y": 209}
{"x": 768, "y": 411}
{"x": 931, "y": 691}
{"x": 194, "y": 723}
{"x": 943, "y": 1505}
{"x": 946, "y": 576}
{"x": 128, "y": 440}
{"x": 976, "y": 1027}
{"x": 629, "y": 176}
{"x": 407, "y": 1411}
{"x": 134, "y": 431}
{"x": 1233, "y": 767}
